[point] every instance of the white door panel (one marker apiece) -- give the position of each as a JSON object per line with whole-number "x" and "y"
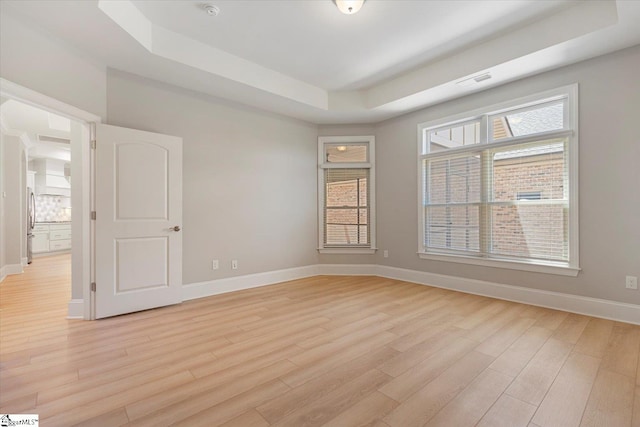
{"x": 147, "y": 259}
{"x": 138, "y": 204}
{"x": 132, "y": 185}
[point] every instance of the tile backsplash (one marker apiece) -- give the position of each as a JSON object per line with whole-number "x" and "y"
{"x": 52, "y": 208}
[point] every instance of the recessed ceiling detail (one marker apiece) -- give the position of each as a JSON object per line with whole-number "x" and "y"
{"x": 306, "y": 60}
{"x": 193, "y": 53}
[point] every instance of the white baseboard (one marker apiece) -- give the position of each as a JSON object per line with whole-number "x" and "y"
{"x": 613, "y": 310}
{"x": 347, "y": 269}
{"x": 25, "y": 261}
{"x": 10, "y": 269}
{"x": 231, "y": 284}
{"x": 75, "y": 309}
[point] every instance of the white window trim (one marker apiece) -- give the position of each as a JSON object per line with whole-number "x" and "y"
{"x": 560, "y": 269}
{"x": 569, "y": 92}
{"x": 322, "y": 165}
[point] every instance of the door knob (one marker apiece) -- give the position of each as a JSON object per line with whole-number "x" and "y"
{"x": 176, "y": 228}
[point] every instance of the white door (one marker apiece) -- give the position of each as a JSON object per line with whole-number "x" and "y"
{"x": 138, "y": 219}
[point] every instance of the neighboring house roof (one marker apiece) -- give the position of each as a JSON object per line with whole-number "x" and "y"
{"x": 543, "y": 119}
{"x": 530, "y": 122}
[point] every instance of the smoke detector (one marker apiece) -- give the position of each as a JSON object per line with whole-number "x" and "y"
{"x": 211, "y": 9}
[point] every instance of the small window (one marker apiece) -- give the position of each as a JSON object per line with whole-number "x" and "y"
{"x": 346, "y": 198}
{"x": 345, "y": 153}
{"x": 346, "y": 207}
{"x": 456, "y": 136}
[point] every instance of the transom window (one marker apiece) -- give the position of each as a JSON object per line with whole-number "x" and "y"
{"x": 346, "y": 183}
{"x": 498, "y": 186}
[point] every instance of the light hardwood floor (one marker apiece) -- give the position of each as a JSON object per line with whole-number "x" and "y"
{"x": 335, "y": 351}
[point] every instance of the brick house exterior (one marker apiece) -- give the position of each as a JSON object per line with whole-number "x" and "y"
{"x": 522, "y": 178}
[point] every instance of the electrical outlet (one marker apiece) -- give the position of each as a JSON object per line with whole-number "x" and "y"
{"x": 385, "y": 253}
{"x": 214, "y": 264}
{"x": 632, "y": 282}
{"x": 234, "y": 264}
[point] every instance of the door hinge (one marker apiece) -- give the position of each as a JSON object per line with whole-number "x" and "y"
{"x": 93, "y": 144}
{"x": 93, "y": 215}
{"x": 93, "y": 286}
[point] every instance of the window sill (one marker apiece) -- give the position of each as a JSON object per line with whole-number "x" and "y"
{"x": 367, "y": 251}
{"x": 559, "y": 269}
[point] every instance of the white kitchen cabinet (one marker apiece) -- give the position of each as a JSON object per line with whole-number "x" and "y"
{"x": 40, "y": 241}
{"x": 51, "y": 237}
{"x": 59, "y": 245}
{"x": 41, "y": 228}
{"x": 59, "y": 237}
{"x": 60, "y": 234}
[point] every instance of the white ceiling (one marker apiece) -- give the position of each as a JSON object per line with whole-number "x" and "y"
{"x": 22, "y": 119}
{"x": 307, "y": 60}
{"x": 312, "y": 42}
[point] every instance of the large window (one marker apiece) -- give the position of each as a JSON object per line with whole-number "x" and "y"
{"x": 499, "y": 186}
{"x": 346, "y": 177}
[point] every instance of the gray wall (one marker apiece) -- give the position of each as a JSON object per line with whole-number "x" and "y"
{"x": 13, "y": 216}
{"x": 249, "y": 177}
{"x": 3, "y": 240}
{"x": 609, "y": 93}
{"x": 42, "y": 63}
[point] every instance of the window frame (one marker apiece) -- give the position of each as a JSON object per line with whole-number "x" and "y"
{"x": 569, "y": 95}
{"x": 369, "y": 141}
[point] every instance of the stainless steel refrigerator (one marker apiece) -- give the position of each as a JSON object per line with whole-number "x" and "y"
{"x": 31, "y": 222}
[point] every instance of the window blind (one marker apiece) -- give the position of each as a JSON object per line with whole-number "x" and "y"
{"x": 474, "y": 203}
{"x": 346, "y": 207}
{"x": 454, "y": 198}
{"x": 529, "y": 228}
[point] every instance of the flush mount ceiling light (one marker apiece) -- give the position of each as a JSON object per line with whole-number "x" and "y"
{"x": 211, "y": 9}
{"x": 349, "y": 7}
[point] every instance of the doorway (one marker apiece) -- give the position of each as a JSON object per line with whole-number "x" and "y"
{"x": 44, "y": 142}
{"x": 78, "y": 202}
